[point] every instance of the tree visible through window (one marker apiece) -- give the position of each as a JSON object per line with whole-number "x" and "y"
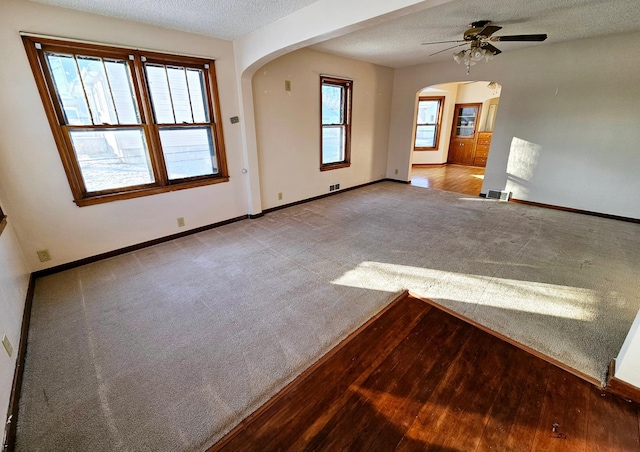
{"x": 335, "y": 98}
{"x": 428, "y": 123}
{"x": 129, "y": 123}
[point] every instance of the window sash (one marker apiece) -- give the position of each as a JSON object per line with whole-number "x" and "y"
{"x": 335, "y": 122}
{"x": 423, "y": 139}
{"x": 138, "y": 116}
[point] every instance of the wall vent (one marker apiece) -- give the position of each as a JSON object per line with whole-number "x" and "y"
{"x": 501, "y": 195}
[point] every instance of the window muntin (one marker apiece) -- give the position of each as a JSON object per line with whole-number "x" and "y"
{"x": 428, "y": 121}
{"x": 129, "y": 123}
{"x": 335, "y": 96}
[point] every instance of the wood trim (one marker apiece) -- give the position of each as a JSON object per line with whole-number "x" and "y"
{"x": 569, "y": 209}
{"x": 128, "y": 249}
{"x": 342, "y": 190}
{"x": 284, "y": 391}
{"x": 621, "y": 389}
{"x": 149, "y": 128}
{"x": 347, "y": 84}
{"x": 14, "y": 400}
{"x": 438, "y": 124}
{"x": 398, "y": 181}
{"x": 507, "y": 339}
{"x": 431, "y": 165}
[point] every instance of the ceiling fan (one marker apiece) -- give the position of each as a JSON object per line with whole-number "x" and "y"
{"x": 479, "y": 36}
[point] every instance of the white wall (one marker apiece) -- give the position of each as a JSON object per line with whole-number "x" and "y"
{"x": 288, "y": 125}
{"x": 628, "y": 360}
{"x": 31, "y": 173}
{"x": 14, "y": 279}
{"x": 573, "y": 107}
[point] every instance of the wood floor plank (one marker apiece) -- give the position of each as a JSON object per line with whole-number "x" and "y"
{"x": 563, "y": 421}
{"x": 458, "y": 411}
{"x": 418, "y": 378}
{"x": 300, "y": 410}
{"x": 611, "y": 423}
{"x": 383, "y": 407}
{"x": 455, "y": 178}
{"x": 514, "y": 418}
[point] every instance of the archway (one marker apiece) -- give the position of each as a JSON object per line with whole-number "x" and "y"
{"x": 452, "y": 130}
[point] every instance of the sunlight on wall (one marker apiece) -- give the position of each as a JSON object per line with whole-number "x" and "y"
{"x": 523, "y": 160}
{"x": 508, "y": 294}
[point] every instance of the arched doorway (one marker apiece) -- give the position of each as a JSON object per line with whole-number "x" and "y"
{"x": 453, "y": 128}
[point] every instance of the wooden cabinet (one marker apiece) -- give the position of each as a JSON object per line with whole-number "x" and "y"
{"x": 463, "y": 134}
{"x": 483, "y": 143}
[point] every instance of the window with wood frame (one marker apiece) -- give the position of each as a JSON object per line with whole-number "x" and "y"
{"x": 335, "y": 114}
{"x": 129, "y": 123}
{"x": 428, "y": 120}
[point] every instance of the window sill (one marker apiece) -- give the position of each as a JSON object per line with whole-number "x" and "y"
{"x": 425, "y": 149}
{"x": 332, "y": 166}
{"x": 100, "y": 199}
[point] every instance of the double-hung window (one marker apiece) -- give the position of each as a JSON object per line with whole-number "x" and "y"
{"x": 428, "y": 122}
{"x": 129, "y": 123}
{"x": 335, "y": 101}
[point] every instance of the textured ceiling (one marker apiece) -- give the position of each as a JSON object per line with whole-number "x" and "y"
{"x": 397, "y": 43}
{"x": 225, "y": 19}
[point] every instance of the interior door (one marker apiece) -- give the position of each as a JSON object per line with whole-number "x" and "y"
{"x": 463, "y": 134}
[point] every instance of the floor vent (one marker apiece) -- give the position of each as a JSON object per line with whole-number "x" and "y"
{"x": 499, "y": 194}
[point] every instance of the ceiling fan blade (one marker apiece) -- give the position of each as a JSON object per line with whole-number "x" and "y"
{"x": 459, "y": 45}
{"x": 519, "y": 38}
{"x": 441, "y": 42}
{"x": 488, "y": 30}
{"x": 492, "y": 49}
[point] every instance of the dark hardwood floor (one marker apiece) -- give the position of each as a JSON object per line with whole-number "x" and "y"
{"x": 418, "y": 378}
{"x": 455, "y": 178}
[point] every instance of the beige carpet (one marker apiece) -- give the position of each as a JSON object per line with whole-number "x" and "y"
{"x": 168, "y": 348}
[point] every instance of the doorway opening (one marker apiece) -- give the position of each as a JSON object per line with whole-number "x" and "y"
{"x": 453, "y": 128}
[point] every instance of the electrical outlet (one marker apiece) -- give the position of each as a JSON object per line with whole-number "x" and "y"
{"x": 287, "y": 85}
{"x": 44, "y": 255}
{"x": 7, "y": 345}
{"x": 279, "y": 196}
{"x": 180, "y": 222}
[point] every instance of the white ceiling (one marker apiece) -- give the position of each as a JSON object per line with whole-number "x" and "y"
{"x": 224, "y": 19}
{"x": 396, "y": 43}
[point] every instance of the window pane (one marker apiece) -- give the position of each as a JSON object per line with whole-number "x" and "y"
{"x": 333, "y": 144}
{"x": 332, "y": 104}
{"x": 122, "y": 91}
{"x": 97, "y": 90}
{"x": 160, "y": 97}
{"x": 179, "y": 94}
{"x": 112, "y": 159}
{"x": 69, "y": 89}
{"x": 426, "y": 136}
{"x": 195, "y": 79}
{"x": 428, "y": 111}
{"x": 188, "y": 152}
